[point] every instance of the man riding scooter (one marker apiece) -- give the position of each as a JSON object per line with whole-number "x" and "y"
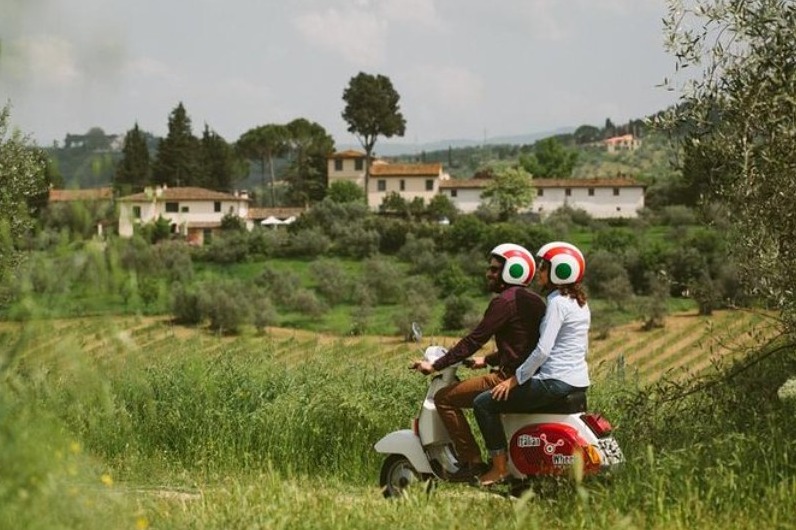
{"x": 513, "y": 318}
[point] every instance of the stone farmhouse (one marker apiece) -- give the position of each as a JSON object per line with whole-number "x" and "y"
{"x": 600, "y": 197}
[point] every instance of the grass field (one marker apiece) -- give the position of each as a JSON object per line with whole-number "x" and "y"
{"x": 131, "y": 422}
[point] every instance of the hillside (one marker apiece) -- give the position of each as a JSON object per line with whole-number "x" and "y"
{"x": 688, "y": 344}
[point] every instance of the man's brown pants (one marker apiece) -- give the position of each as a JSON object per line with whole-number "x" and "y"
{"x": 451, "y": 400}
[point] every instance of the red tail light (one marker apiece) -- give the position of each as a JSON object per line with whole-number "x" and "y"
{"x": 598, "y": 425}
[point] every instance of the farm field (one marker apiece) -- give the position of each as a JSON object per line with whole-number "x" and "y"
{"x": 132, "y": 422}
{"x": 688, "y": 343}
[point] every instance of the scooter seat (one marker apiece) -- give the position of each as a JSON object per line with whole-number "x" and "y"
{"x": 569, "y": 404}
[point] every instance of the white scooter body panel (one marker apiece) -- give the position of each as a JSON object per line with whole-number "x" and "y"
{"x": 405, "y": 442}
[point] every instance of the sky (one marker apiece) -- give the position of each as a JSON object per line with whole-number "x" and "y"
{"x": 464, "y": 69}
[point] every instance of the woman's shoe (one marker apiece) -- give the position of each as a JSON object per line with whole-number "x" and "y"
{"x": 498, "y": 473}
{"x": 492, "y": 479}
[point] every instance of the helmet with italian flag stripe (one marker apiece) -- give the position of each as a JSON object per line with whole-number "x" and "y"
{"x": 518, "y": 264}
{"x": 567, "y": 264}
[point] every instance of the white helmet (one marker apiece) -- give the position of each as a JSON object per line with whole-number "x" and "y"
{"x": 567, "y": 264}
{"x": 518, "y": 264}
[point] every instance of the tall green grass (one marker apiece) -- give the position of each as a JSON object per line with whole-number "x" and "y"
{"x": 100, "y": 431}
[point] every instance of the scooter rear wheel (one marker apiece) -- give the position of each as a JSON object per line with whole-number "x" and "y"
{"x": 397, "y": 474}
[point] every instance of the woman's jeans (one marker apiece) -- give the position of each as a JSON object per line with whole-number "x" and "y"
{"x": 528, "y": 397}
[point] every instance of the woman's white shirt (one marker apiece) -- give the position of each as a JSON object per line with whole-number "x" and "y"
{"x": 563, "y": 344}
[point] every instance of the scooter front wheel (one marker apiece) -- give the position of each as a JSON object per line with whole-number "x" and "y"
{"x": 397, "y": 474}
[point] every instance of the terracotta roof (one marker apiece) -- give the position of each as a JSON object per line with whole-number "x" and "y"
{"x": 406, "y": 170}
{"x": 350, "y": 153}
{"x": 93, "y": 194}
{"x": 619, "y": 182}
{"x": 203, "y": 224}
{"x": 461, "y": 184}
{"x": 279, "y": 213}
{"x": 185, "y": 194}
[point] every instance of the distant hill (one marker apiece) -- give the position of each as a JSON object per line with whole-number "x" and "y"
{"x": 386, "y": 147}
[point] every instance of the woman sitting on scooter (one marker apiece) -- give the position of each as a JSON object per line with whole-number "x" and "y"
{"x": 555, "y": 368}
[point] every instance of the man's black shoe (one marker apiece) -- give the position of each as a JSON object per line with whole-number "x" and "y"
{"x": 467, "y": 472}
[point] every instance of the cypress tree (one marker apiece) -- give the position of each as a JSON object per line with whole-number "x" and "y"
{"x": 134, "y": 170}
{"x": 177, "y": 161}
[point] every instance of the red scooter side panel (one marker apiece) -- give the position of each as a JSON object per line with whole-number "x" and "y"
{"x": 547, "y": 449}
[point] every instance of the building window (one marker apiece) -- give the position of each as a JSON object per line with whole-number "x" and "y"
{"x": 429, "y": 185}
{"x": 539, "y": 192}
{"x": 217, "y": 206}
{"x": 616, "y": 192}
{"x": 568, "y": 192}
{"x": 359, "y": 164}
{"x": 618, "y": 208}
{"x": 403, "y": 185}
{"x": 172, "y": 207}
{"x": 454, "y": 193}
{"x": 591, "y": 192}
{"x": 381, "y": 185}
{"x": 184, "y": 209}
{"x": 338, "y": 164}
{"x": 136, "y": 212}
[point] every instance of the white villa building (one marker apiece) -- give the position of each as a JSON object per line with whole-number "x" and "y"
{"x": 625, "y": 142}
{"x": 599, "y": 197}
{"x": 195, "y": 213}
{"x": 408, "y": 180}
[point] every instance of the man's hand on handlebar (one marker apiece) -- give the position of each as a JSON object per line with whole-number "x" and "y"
{"x": 475, "y": 363}
{"x": 424, "y": 367}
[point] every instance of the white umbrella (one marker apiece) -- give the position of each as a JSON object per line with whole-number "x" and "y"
{"x": 271, "y": 221}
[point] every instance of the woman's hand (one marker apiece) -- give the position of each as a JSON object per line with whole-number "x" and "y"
{"x": 500, "y": 392}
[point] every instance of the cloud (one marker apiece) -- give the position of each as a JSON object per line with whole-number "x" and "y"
{"x": 358, "y": 36}
{"x": 553, "y": 21}
{"x": 151, "y": 69}
{"x": 450, "y": 87}
{"x": 420, "y": 12}
{"x": 42, "y": 60}
{"x": 358, "y": 30}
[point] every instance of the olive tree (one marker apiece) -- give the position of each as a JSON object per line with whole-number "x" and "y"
{"x": 510, "y": 190}
{"x": 737, "y": 123}
{"x": 23, "y": 189}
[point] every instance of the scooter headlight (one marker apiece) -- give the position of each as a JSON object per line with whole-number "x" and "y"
{"x": 433, "y": 353}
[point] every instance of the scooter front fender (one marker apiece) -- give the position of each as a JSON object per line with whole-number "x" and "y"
{"x": 405, "y": 442}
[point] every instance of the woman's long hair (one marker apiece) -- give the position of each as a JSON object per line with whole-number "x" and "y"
{"x": 574, "y": 290}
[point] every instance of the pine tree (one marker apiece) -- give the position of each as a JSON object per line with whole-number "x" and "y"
{"x": 177, "y": 161}
{"x": 310, "y": 146}
{"x": 134, "y": 170}
{"x": 265, "y": 143}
